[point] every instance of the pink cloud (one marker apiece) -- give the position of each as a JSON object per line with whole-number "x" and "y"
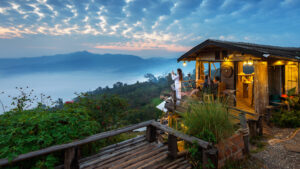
{"x": 138, "y": 46}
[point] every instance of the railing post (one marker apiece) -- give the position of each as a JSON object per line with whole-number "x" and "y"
{"x": 172, "y": 146}
{"x": 260, "y": 125}
{"x": 71, "y": 158}
{"x": 151, "y": 133}
{"x": 245, "y": 132}
{"x": 210, "y": 158}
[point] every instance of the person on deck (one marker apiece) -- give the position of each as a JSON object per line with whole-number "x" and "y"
{"x": 207, "y": 84}
{"x": 177, "y": 82}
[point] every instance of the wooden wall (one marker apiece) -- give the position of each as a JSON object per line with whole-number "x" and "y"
{"x": 261, "y": 90}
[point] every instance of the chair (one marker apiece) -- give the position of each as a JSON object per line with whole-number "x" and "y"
{"x": 208, "y": 98}
{"x": 221, "y": 88}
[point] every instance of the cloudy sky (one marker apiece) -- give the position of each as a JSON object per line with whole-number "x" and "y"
{"x": 146, "y": 28}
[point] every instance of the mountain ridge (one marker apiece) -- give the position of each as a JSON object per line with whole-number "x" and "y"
{"x": 80, "y": 61}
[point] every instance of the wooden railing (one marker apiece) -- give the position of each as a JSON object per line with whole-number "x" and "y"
{"x": 71, "y": 149}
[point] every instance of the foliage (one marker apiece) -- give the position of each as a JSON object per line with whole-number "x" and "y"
{"x": 25, "y": 129}
{"x": 208, "y": 121}
{"x": 291, "y": 116}
{"x": 30, "y": 130}
{"x": 287, "y": 118}
{"x": 108, "y": 110}
{"x": 258, "y": 143}
{"x": 195, "y": 155}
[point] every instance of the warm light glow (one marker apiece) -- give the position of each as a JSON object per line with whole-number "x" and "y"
{"x": 250, "y": 62}
{"x": 245, "y": 63}
{"x": 184, "y": 64}
{"x": 279, "y": 62}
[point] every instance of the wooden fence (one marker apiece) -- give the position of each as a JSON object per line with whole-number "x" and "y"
{"x": 71, "y": 160}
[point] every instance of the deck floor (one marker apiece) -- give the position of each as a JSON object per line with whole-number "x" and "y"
{"x": 132, "y": 154}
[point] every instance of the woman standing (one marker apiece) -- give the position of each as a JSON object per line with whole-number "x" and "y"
{"x": 177, "y": 82}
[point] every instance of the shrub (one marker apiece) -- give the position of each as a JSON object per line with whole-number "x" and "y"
{"x": 207, "y": 121}
{"x": 287, "y": 118}
{"x": 25, "y": 131}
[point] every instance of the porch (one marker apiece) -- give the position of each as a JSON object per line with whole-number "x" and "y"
{"x": 251, "y": 76}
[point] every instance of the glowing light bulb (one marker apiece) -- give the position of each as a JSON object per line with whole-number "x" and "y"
{"x": 184, "y": 64}
{"x": 250, "y": 62}
{"x": 245, "y": 63}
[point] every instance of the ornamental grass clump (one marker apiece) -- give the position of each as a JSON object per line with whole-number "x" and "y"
{"x": 208, "y": 121}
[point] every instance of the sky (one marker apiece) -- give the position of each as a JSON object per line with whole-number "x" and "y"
{"x": 147, "y": 28}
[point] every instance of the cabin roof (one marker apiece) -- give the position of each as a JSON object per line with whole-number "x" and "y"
{"x": 250, "y": 48}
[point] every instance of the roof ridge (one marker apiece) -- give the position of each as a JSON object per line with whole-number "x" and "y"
{"x": 256, "y": 45}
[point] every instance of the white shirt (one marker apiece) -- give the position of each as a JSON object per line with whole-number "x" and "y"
{"x": 176, "y": 81}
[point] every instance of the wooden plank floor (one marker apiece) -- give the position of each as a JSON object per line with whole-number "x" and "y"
{"x": 132, "y": 154}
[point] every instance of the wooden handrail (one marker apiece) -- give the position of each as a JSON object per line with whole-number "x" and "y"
{"x": 181, "y": 135}
{"x": 89, "y": 139}
{"x": 70, "y": 147}
{"x": 242, "y": 111}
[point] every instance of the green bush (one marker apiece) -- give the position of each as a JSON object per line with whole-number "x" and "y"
{"x": 108, "y": 110}
{"x": 30, "y": 130}
{"x": 287, "y": 118}
{"x": 207, "y": 121}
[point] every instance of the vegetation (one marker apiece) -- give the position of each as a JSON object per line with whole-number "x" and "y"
{"x": 289, "y": 117}
{"x": 208, "y": 121}
{"x": 34, "y": 123}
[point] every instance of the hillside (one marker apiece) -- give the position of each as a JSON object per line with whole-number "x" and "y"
{"x": 81, "y": 61}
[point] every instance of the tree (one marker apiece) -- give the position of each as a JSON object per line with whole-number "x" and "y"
{"x": 151, "y": 78}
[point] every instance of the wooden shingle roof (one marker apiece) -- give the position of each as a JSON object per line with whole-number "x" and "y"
{"x": 250, "y": 48}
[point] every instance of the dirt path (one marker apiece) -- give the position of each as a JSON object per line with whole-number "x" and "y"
{"x": 282, "y": 151}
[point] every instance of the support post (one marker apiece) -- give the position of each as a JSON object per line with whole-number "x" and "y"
{"x": 210, "y": 158}
{"x": 172, "y": 146}
{"x": 151, "y": 133}
{"x": 260, "y": 126}
{"x": 71, "y": 158}
{"x": 252, "y": 128}
{"x": 245, "y": 132}
{"x": 209, "y": 70}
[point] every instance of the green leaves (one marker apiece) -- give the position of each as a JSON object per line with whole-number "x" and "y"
{"x": 30, "y": 130}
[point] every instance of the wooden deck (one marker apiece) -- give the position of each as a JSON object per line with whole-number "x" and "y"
{"x": 132, "y": 154}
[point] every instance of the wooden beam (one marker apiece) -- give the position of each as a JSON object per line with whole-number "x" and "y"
{"x": 71, "y": 158}
{"x": 245, "y": 130}
{"x": 261, "y": 88}
{"x": 181, "y": 135}
{"x": 151, "y": 134}
{"x": 172, "y": 146}
{"x": 209, "y": 70}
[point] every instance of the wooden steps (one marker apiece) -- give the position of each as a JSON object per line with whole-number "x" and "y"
{"x": 135, "y": 153}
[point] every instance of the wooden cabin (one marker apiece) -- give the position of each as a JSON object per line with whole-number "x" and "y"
{"x": 256, "y": 75}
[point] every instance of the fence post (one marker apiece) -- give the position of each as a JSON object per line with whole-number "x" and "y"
{"x": 151, "y": 133}
{"x": 172, "y": 146}
{"x": 260, "y": 125}
{"x": 210, "y": 158}
{"x": 71, "y": 158}
{"x": 245, "y": 132}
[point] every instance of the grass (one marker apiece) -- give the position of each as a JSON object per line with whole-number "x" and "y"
{"x": 247, "y": 163}
{"x": 208, "y": 121}
{"x": 258, "y": 144}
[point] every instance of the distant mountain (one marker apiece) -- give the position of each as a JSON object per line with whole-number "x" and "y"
{"x": 82, "y": 61}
